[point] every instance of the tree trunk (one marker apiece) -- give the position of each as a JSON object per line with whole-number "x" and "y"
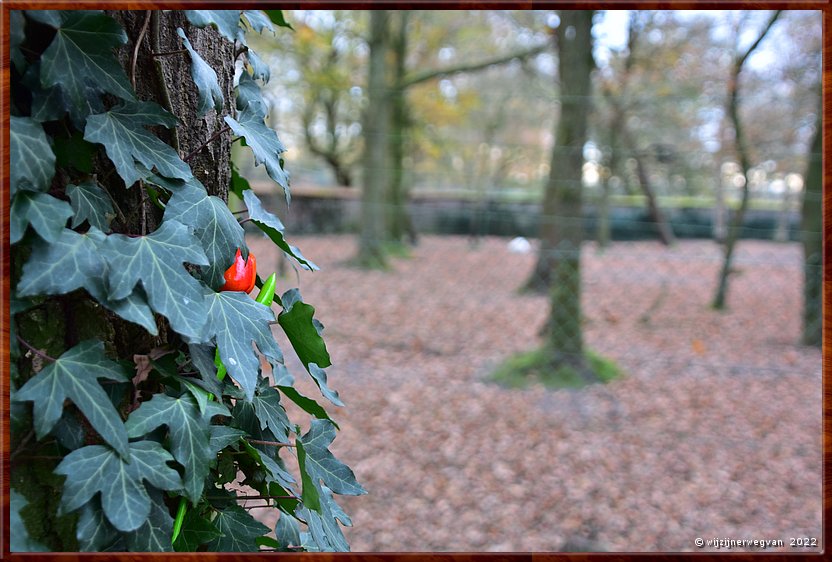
{"x": 561, "y": 221}
{"x": 735, "y": 229}
{"x": 60, "y": 324}
{"x": 662, "y": 226}
{"x": 813, "y": 240}
{"x": 562, "y": 231}
{"x": 400, "y": 226}
{"x": 371, "y": 252}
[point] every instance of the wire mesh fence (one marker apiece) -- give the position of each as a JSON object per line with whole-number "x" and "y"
{"x": 711, "y": 429}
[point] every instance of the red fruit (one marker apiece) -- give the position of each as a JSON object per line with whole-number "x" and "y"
{"x": 241, "y": 275}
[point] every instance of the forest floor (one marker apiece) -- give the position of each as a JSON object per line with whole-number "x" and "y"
{"x": 714, "y": 431}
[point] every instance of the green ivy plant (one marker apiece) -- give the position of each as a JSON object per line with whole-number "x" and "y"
{"x": 134, "y": 456}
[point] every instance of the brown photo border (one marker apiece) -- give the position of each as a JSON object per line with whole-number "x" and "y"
{"x": 6, "y": 5}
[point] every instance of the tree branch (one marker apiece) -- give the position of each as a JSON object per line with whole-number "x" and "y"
{"x": 214, "y": 137}
{"x": 740, "y": 61}
{"x": 470, "y": 67}
{"x": 35, "y": 351}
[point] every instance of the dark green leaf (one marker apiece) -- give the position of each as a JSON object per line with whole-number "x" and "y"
{"x": 202, "y": 358}
{"x": 275, "y": 472}
{"x": 69, "y": 432}
{"x": 196, "y": 531}
{"x": 52, "y": 18}
{"x": 46, "y": 214}
{"x": 214, "y": 225}
{"x": 249, "y": 96}
{"x": 133, "y": 307}
{"x": 270, "y": 412}
{"x": 69, "y": 263}
{"x": 189, "y": 435}
{"x": 258, "y": 20}
{"x": 287, "y": 530}
{"x": 227, "y": 22}
{"x": 20, "y": 539}
{"x": 322, "y": 465}
{"x": 267, "y": 542}
{"x": 75, "y": 152}
{"x": 156, "y": 260}
{"x": 81, "y": 62}
{"x": 325, "y": 531}
{"x": 277, "y": 18}
{"x": 90, "y": 203}
{"x": 96, "y": 468}
{"x": 238, "y": 183}
{"x": 236, "y": 320}
{"x": 94, "y": 532}
{"x": 32, "y": 160}
{"x": 264, "y": 143}
{"x": 310, "y": 491}
{"x": 155, "y": 534}
{"x": 205, "y": 78}
{"x": 127, "y": 142}
{"x": 307, "y": 404}
{"x": 16, "y": 36}
{"x": 74, "y": 375}
{"x": 297, "y": 321}
{"x": 239, "y": 531}
{"x": 259, "y": 69}
{"x": 272, "y": 226}
{"x": 222, "y": 436}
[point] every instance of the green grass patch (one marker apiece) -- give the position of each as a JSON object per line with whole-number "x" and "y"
{"x": 523, "y": 369}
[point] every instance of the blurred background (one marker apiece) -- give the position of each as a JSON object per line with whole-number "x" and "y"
{"x": 570, "y": 270}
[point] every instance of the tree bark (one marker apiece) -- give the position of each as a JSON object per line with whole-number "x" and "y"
{"x": 655, "y": 212}
{"x": 561, "y": 220}
{"x": 562, "y": 226}
{"x": 377, "y": 118}
{"x": 812, "y": 227}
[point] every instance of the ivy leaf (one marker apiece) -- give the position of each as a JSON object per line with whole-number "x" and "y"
{"x": 259, "y": 69}
{"x": 75, "y": 152}
{"x": 270, "y": 412}
{"x": 258, "y": 20}
{"x": 310, "y": 487}
{"x": 287, "y": 530}
{"x": 202, "y": 358}
{"x": 20, "y": 539}
{"x": 156, "y": 260}
{"x": 46, "y": 214}
{"x": 271, "y": 225}
{"x": 323, "y": 527}
{"x": 133, "y": 307}
{"x": 239, "y": 531}
{"x": 52, "y": 18}
{"x": 275, "y": 472}
{"x": 32, "y": 160}
{"x": 227, "y": 22}
{"x": 68, "y": 263}
{"x": 239, "y": 184}
{"x": 69, "y": 432}
{"x": 277, "y": 18}
{"x": 222, "y": 436}
{"x": 205, "y": 79}
{"x": 249, "y": 95}
{"x": 322, "y": 465}
{"x": 127, "y": 142}
{"x": 75, "y": 375}
{"x": 94, "y": 532}
{"x": 189, "y": 435}
{"x": 264, "y": 143}
{"x": 308, "y": 405}
{"x": 155, "y": 534}
{"x": 81, "y": 62}
{"x": 236, "y": 320}
{"x": 214, "y": 225}
{"x": 90, "y": 203}
{"x": 319, "y": 376}
{"x": 16, "y": 36}
{"x": 196, "y": 531}
{"x": 96, "y": 468}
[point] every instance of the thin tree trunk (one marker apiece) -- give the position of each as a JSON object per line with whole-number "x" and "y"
{"x": 664, "y": 230}
{"x": 376, "y": 152}
{"x": 812, "y": 227}
{"x": 735, "y": 229}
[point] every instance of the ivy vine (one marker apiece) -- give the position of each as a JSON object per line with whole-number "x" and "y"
{"x": 141, "y": 447}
